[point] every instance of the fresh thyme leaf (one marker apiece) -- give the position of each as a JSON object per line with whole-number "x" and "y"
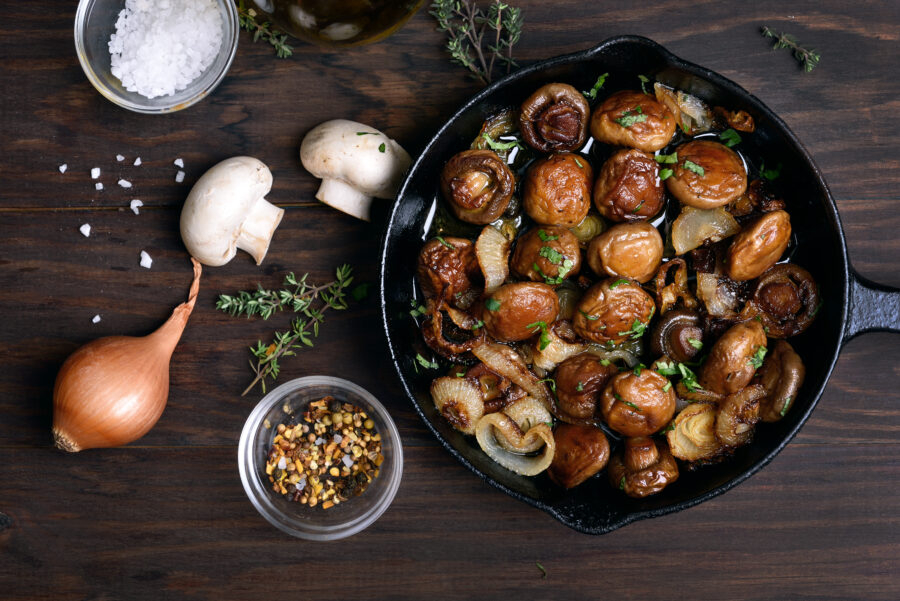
{"x": 665, "y": 174}
{"x": 492, "y": 304}
{"x": 544, "y": 341}
{"x": 619, "y": 283}
{"x": 592, "y": 93}
{"x": 644, "y": 81}
{"x": 546, "y": 237}
{"x": 730, "y": 138}
{"x": 666, "y": 159}
{"x": 757, "y": 359}
{"x": 807, "y": 57}
{"x": 425, "y": 362}
{"x": 444, "y": 242}
{"x": 770, "y": 174}
{"x": 589, "y": 317}
{"x": 541, "y": 568}
{"x": 692, "y": 166}
{"x": 697, "y": 344}
{"x": 263, "y": 31}
{"x": 631, "y": 116}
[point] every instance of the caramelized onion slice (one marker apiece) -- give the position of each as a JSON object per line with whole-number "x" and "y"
{"x": 506, "y": 362}
{"x": 460, "y": 402}
{"x": 693, "y": 227}
{"x": 527, "y": 413}
{"x": 558, "y": 349}
{"x": 720, "y": 299}
{"x": 693, "y": 437}
{"x": 492, "y": 251}
{"x": 668, "y": 295}
{"x": 693, "y": 115}
{"x": 494, "y": 427}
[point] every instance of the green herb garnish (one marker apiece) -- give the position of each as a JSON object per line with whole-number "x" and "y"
{"x": 666, "y": 159}
{"x": 644, "y": 81}
{"x": 492, "y": 304}
{"x": 632, "y": 405}
{"x": 688, "y": 378}
{"x": 477, "y": 325}
{"x": 636, "y": 331}
{"x": 757, "y": 359}
{"x": 697, "y": 344}
{"x": 551, "y": 254}
{"x": 666, "y": 369}
{"x": 592, "y": 93}
{"x": 589, "y": 317}
{"x": 541, "y": 568}
{"x": 638, "y": 368}
{"x": 631, "y": 116}
{"x": 444, "y": 242}
{"x": 579, "y": 387}
{"x": 671, "y": 424}
{"x": 425, "y": 362}
{"x": 416, "y": 310}
{"x": 622, "y": 483}
{"x": 807, "y": 57}
{"x": 665, "y": 174}
{"x": 667, "y": 387}
{"x": 550, "y": 382}
{"x": 366, "y": 133}
{"x": 770, "y": 174}
{"x": 577, "y": 162}
{"x": 785, "y": 407}
{"x": 500, "y": 146}
{"x": 730, "y": 138}
{"x": 544, "y": 341}
{"x": 382, "y": 147}
{"x": 692, "y": 166}
{"x": 604, "y": 362}
{"x": 619, "y": 283}
{"x": 545, "y": 237}
{"x": 263, "y": 31}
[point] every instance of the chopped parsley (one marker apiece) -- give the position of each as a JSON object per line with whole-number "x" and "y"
{"x": 444, "y": 242}
{"x": 579, "y": 387}
{"x": 477, "y": 325}
{"x": 769, "y": 174}
{"x": 666, "y": 159}
{"x": 577, "y": 162}
{"x": 638, "y": 368}
{"x": 460, "y": 374}
{"x": 619, "y": 283}
{"x": 757, "y": 359}
{"x": 545, "y": 237}
{"x": 495, "y": 145}
{"x": 644, "y": 81}
{"x": 665, "y": 174}
{"x": 551, "y": 254}
{"x": 631, "y": 116}
{"x": 786, "y": 406}
{"x": 688, "y": 378}
{"x": 638, "y": 208}
{"x": 618, "y": 396}
{"x": 425, "y": 362}
{"x": 604, "y": 362}
{"x": 694, "y": 167}
{"x": 666, "y": 369}
{"x": 416, "y": 310}
{"x": 561, "y": 272}
{"x": 589, "y": 317}
{"x": 695, "y": 343}
{"x": 667, "y": 387}
{"x": 366, "y": 133}
{"x": 730, "y": 138}
{"x": 592, "y": 93}
{"x": 492, "y": 304}
{"x": 622, "y": 483}
{"x": 668, "y": 428}
{"x": 544, "y": 341}
{"x": 632, "y": 405}
{"x": 550, "y": 382}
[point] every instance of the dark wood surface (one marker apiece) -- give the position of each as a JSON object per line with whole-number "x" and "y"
{"x": 166, "y": 517}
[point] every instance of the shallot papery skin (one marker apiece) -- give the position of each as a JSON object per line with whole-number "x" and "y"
{"x": 112, "y": 390}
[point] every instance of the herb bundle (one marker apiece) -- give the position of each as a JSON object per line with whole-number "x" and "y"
{"x": 263, "y": 31}
{"x": 478, "y": 39}
{"x": 807, "y": 57}
{"x": 298, "y": 295}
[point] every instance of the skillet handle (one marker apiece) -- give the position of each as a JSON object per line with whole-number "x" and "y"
{"x": 872, "y": 307}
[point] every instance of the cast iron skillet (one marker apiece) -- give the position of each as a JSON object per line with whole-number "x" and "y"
{"x": 852, "y": 305}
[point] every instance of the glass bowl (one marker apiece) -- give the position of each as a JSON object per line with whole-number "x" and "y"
{"x": 95, "y": 21}
{"x": 294, "y": 518}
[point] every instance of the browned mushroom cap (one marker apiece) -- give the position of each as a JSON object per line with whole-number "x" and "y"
{"x": 630, "y": 118}
{"x": 758, "y": 246}
{"x": 738, "y": 415}
{"x": 734, "y": 358}
{"x": 630, "y": 250}
{"x": 557, "y": 190}
{"x": 613, "y": 311}
{"x": 510, "y": 314}
{"x": 642, "y": 468}
{"x": 786, "y": 300}
{"x": 678, "y": 335}
{"x": 781, "y": 376}
{"x": 447, "y": 270}
{"x": 579, "y": 382}
{"x": 548, "y": 254}
{"x": 477, "y": 185}
{"x": 759, "y": 197}
{"x": 581, "y": 452}
{"x": 628, "y": 187}
{"x": 707, "y": 175}
{"x": 445, "y": 337}
{"x": 638, "y": 403}
{"x": 554, "y": 118}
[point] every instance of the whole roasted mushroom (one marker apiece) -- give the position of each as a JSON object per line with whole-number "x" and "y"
{"x": 758, "y": 246}
{"x": 581, "y": 452}
{"x": 512, "y": 312}
{"x": 628, "y": 187}
{"x": 477, "y": 185}
{"x": 554, "y": 118}
{"x": 643, "y": 467}
{"x": 629, "y": 250}
{"x": 781, "y": 376}
{"x": 557, "y": 190}
{"x": 447, "y": 269}
{"x": 613, "y": 311}
{"x": 631, "y": 118}
{"x": 678, "y": 335}
{"x": 580, "y": 381}
{"x": 738, "y": 414}
{"x": 707, "y": 175}
{"x": 638, "y": 403}
{"x": 785, "y": 300}
{"x": 734, "y": 358}
{"x": 548, "y": 254}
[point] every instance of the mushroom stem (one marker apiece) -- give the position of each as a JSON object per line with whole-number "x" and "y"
{"x": 344, "y": 197}
{"x": 257, "y": 230}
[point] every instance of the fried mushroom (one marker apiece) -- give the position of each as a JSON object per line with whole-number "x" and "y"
{"x": 638, "y": 402}
{"x": 580, "y": 381}
{"x": 581, "y": 452}
{"x": 548, "y": 254}
{"x": 613, "y": 311}
{"x": 707, "y": 175}
{"x": 554, "y": 118}
{"x": 734, "y": 358}
{"x": 447, "y": 269}
{"x": 781, "y": 376}
{"x": 477, "y": 185}
{"x": 510, "y": 314}
{"x": 557, "y": 190}
{"x": 643, "y": 467}
{"x": 785, "y": 300}
{"x": 758, "y": 246}
{"x": 630, "y": 250}
{"x": 628, "y": 187}
{"x": 678, "y": 335}
{"x": 633, "y": 119}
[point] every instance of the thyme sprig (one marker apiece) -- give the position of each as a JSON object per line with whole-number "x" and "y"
{"x": 299, "y": 295}
{"x": 479, "y": 39}
{"x": 263, "y": 31}
{"x": 807, "y": 57}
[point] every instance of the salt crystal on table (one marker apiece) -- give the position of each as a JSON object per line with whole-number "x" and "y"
{"x": 124, "y": 183}
{"x": 96, "y": 319}
{"x": 63, "y": 167}
{"x": 347, "y": 460}
{"x": 146, "y": 261}
{"x": 98, "y": 186}
{"x": 95, "y": 172}
{"x": 134, "y": 206}
{"x": 179, "y": 162}
{"x": 137, "y": 162}
{"x": 179, "y": 177}
{"x": 120, "y": 158}
{"x": 85, "y": 230}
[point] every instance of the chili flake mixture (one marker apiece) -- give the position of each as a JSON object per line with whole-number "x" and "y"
{"x": 330, "y": 456}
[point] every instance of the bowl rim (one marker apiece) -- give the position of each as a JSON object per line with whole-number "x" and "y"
{"x": 260, "y": 497}
{"x": 231, "y": 16}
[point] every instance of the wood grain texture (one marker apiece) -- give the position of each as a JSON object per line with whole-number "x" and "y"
{"x": 166, "y": 518}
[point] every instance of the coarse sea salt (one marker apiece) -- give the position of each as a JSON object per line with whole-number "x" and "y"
{"x": 120, "y": 158}
{"x": 63, "y": 167}
{"x": 137, "y": 162}
{"x": 178, "y": 162}
{"x": 124, "y": 183}
{"x": 179, "y": 177}
{"x": 161, "y": 46}
{"x": 135, "y": 206}
{"x": 146, "y": 260}
{"x": 98, "y": 186}
{"x": 85, "y": 230}
{"x": 96, "y": 319}
{"x": 95, "y": 172}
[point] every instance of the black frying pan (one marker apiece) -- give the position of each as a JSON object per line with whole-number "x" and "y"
{"x": 852, "y": 305}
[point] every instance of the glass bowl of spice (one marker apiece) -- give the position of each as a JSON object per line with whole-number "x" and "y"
{"x": 320, "y": 458}
{"x": 156, "y": 56}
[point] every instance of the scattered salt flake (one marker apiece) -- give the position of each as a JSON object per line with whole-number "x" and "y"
{"x": 338, "y": 438}
{"x": 124, "y": 183}
{"x": 301, "y": 483}
{"x": 282, "y": 463}
{"x": 95, "y": 172}
{"x": 179, "y": 177}
{"x": 319, "y": 441}
{"x": 98, "y": 186}
{"x": 137, "y": 162}
{"x": 63, "y": 167}
{"x": 85, "y": 229}
{"x": 120, "y": 158}
{"x": 135, "y": 204}
{"x": 146, "y": 261}
{"x": 347, "y": 460}
{"x": 179, "y": 162}
{"x": 96, "y": 319}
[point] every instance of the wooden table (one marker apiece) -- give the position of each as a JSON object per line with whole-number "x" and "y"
{"x": 167, "y": 517}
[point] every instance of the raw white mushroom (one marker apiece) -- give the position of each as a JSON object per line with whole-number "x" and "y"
{"x": 355, "y": 162}
{"x": 226, "y": 210}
